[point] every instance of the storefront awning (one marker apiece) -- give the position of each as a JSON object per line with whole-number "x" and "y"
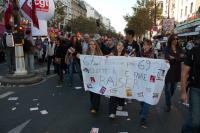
{"x": 189, "y": 34}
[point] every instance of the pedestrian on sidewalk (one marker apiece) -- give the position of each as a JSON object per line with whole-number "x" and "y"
{"x": 174, "y": 54}
{"x": 116, "y": 103}
{"x": 94, "y": 49}
{"x": 29, "y": 51}
{"x": 9, "y": 46}
{"x": 147, "y": 52}
{"x": 192, "y": 64}
{"x": 60, "y": 52}
{"x": 50, "y": 55}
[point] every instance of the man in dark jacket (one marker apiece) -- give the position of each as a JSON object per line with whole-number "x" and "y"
{"x": 192, "y": 62}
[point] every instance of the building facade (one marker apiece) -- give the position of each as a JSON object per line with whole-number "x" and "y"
{"x": 78, "y": 9}
{"x": 68, "y": 10}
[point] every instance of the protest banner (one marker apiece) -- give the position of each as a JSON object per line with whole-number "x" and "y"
{"x": 126, "y": 77}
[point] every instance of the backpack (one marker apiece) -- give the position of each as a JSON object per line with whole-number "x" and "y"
{"x": 9, "y": 40}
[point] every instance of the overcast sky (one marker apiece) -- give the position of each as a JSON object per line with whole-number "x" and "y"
{"x": 114, "y": 10}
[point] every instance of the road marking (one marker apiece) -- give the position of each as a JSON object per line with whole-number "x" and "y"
{"x": 19, "y": 128}
{"x": 6, "y": 94}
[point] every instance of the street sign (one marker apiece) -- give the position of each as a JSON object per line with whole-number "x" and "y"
{"x": 168, "y": 25}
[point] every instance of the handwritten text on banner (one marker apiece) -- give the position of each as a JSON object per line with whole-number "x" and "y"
{"x": 125, "y": 77}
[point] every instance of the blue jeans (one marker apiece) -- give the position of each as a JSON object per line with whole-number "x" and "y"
{"x": 144, "y": 110}
{"x": 193, "y": 123}
{"x": 29, "y": 62}
{"x": 72, "y": 65}
{"x": 169, "y": 92}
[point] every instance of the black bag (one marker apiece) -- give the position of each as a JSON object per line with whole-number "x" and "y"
{"x": 28, "y": 46}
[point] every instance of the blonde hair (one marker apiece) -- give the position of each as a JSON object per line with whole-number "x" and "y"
{"x": 97, "y": 50}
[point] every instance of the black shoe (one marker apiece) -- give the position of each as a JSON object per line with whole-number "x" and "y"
{"x": 143, "y": 123}
{"x": 70, "y": 85}
{"x": 168, "y": 109}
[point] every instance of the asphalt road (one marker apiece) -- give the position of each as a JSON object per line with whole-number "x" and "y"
{"x": 68, "y": 112}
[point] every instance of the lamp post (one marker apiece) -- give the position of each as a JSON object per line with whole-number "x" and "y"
{"x": 18, "y": 39}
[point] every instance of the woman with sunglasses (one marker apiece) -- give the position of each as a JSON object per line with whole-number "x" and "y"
{"x": 174, "y": 54}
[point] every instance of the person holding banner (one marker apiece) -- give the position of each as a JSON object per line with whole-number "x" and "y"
{"x": 174, "y": 54}
{"x": 116, "y": 103}
{"x": 146, "y": 52}
{"x": 93, "y": 49}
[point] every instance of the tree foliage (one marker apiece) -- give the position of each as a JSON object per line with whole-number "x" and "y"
{"x": 86, "y": 25}
{"x": 143, "y": 16}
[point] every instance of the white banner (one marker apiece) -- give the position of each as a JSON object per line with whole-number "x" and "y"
{"x": 126, "y": 77}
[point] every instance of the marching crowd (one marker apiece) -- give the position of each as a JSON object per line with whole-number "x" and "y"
{"x": 64, "y": 51}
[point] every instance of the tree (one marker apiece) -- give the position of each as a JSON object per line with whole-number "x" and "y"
{"x": 87, "y": 25}
{"x": 143, "y": 16}
{"x": 59, "y": 15}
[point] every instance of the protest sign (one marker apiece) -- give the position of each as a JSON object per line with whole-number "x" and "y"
{"x": 126, "y": 77}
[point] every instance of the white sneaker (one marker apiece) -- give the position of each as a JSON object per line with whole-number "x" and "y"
{"x": 120, "y": 108}
{"x": 112, "y": 116}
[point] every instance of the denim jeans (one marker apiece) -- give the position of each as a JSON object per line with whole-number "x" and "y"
{"x": 193, "y": 123}
{"x": 144, "y": 110}
{"x": 49, "y": 62}
{"x": 60, "y": 68}
{"x": 169, "y": 92}
{"x": 29, "y": 62}
{"x": 10, "y": 59}
{"x": 72, "y": 65}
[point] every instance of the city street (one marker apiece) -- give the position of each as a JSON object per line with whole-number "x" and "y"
{"x": 66, "y": 110}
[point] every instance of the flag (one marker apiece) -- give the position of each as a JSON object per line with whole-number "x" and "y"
{"x": 29, "y": 8}
{"x": 34, "y": 15}
{"x": 8, "y": 8}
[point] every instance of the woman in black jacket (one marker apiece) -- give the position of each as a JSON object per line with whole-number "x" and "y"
{"x": 174, "y": 54}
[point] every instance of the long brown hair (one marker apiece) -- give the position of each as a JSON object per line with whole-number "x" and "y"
{"x": 115, "y": 52}
{"x": 97, "y": 50}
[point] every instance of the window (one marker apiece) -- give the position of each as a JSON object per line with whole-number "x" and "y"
{"x": 191, "y": 7}
{"x": 181, "y": 13}
{"x": 186, "y": 11}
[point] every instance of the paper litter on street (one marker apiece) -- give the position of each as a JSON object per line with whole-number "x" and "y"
{"x": 94, "y": 130}
{"x": 14, "y": 108}
{"x": 78, "y": 88}
{"x": 16, "y": 103}
{"x": 33, "y": 109}
{"x": 121, "y": 113}
{"x": 43, "y": 112}
{"x": 38, "y": 104}
{"x": 59, "y": 86}
{"x": 35, "y": 99}
{"x": 128, "y": 119}
{"x": 12, "y": 98}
